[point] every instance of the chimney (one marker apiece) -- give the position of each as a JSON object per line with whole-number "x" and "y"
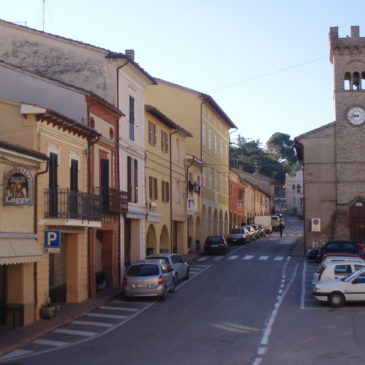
{"x": 355, "y": 31}
{"x": 130, "y": 54}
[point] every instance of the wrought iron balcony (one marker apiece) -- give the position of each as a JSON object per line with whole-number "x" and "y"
{"x": 113, "y": 200}
{"x": 67, "y": 204}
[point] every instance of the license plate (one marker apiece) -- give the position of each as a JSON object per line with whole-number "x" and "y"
{"x": 142, "y": 286}
{"x": 214, "y": 246}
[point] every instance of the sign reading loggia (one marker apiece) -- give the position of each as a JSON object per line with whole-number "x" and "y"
{"x": 18, "y": 187}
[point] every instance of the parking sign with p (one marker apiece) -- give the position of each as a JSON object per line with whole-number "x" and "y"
{"x": 52, "y": 241}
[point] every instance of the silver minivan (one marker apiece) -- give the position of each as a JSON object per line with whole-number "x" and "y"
{"x": 146, "y": 278}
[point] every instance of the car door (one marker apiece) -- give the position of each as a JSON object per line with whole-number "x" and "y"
{"x": 177, "y": 266}
{"x": 356, "y": 289}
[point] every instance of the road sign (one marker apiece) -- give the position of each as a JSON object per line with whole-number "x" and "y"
{"x": 52, "y": 241}
{"x": 316, "y": 225}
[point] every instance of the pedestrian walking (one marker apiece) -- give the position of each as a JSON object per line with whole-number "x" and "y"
{"x": 281, "y": 228}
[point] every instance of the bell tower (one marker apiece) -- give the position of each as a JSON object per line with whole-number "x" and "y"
{"x": 348, "y": 58}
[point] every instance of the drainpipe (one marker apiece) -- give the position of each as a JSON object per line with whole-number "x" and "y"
{"x": 170, "y": 192}
{"x": 35, "y": 229}
{"x": 187, "y": 192}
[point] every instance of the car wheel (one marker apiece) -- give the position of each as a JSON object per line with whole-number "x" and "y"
{"x": 163, "y": 296}
{"x": 187, "y": 274}
{"x": 336, "y": 299}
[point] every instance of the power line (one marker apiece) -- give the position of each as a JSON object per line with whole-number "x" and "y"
{"x": 268, "y": 74}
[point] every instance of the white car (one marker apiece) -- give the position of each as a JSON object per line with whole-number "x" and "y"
{"x": 336, "y": 269}
{"x": 180, "y": 267}
{"x": 337, "y": 292}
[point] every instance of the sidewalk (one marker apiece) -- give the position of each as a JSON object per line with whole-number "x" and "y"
{"x": 11, "y": 339}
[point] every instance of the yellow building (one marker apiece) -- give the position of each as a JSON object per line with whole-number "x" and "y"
{"x": 165, "y": 182}
{"x": 19, "y": 250}
{"x": 63, "y": 204}
{"x": 209, "y": 125}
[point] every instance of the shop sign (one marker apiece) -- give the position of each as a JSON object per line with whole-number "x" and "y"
{"x": 18, "y": 187}
{"x": 190, "y": 209}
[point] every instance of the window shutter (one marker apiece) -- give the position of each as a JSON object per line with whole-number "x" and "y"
{"x": 166, "y": 142}
{"x": 129, "y": 178}
{"x": 162, "y": 141}
{"x": 136, "y": 181}
{"x": 155, "y": 187}
{"x": 163, "y": 190}
{"x": 149, "y": 132}
{"x": 154, "y": 135}
{"x": 167, "y": 192}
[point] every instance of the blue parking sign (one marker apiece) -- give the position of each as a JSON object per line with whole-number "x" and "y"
{"x": 52, "y": 241}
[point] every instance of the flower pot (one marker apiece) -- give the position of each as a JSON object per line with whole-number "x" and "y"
{"x": 48, "y": 312}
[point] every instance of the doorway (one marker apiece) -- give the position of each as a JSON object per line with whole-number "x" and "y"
{"x": 357, "y": 222}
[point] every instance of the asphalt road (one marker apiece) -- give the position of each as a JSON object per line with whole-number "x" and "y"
{"x": 251, "y": 307}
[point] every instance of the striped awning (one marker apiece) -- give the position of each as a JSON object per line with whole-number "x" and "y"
{"x": 19, "y": 251}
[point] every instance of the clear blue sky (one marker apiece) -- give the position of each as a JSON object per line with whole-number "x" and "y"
{"x": 265, "y": 62}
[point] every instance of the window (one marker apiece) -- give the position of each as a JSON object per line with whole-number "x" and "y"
{"x": 215, "y": 144}
{"x": 209, "y": 139}
{"x": 152, "y": 137}
{"x": 342, "y": 269}
{"x": 153, "y": 188}
{"x": 177, "y": 149}
{"x": 53, "y": 197}
{"x": 132, "y": 179}
{"x": 203, "y": 134}
{"x": 164, "y": 142}
{"x": 293, "y": 186}
{"x": 178, "y": 186}
{"x": 131, "y": 118}
{"x": 104, "y": 182}
{"x": 165, "y": 191}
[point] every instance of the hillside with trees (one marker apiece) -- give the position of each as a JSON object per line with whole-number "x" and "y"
{"x": 275, "y": 160}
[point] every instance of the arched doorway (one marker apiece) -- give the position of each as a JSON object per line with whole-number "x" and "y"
{"x": 164, "y": 240}
{"x": 215, "y": 222}
{"x": 151, "y": 240}
{"x": 220, "y": 223}
{"x": 357, "y": 219}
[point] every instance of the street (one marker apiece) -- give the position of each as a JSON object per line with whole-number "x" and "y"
{"x": 251, "y": 307}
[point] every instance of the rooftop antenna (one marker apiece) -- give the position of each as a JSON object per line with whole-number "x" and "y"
{"x": 44, "y": 1}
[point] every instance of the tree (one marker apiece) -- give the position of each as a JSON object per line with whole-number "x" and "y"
{"x": 282, "y": 147}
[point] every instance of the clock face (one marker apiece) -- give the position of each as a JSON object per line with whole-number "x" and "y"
{"x": 356, "y": 115}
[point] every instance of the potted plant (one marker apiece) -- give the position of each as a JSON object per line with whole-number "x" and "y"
{"x": 49, "y": 310}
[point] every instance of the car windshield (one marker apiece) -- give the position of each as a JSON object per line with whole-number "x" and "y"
{"x": 215, "y": 239}
{"x": 143, "y": 270}
{"x": 159, "y": 258}
{"x": 238, "y": 230}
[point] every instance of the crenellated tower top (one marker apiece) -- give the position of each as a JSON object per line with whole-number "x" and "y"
{"x": 353, "y": 44}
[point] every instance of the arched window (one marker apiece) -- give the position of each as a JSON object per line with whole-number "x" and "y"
{"x": 347, "y": 81}
{"x": 356, "y": 84}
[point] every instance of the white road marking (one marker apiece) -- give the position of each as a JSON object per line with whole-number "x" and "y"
{"x": 262, "y": 351}
{"x": 42, "y": 341}
{"x": 217, "y": 258}
{"x": 263, "y": 258}
{"x": 257, "y": 361}
{"x": 248, "y": 257}
{"x": 99, "y": 315}
{"x": 90, "y": 323}
{"x": 74, "y": 332}
{"x": 119, "y": 308}
{"x": 233, "y": 257}
{"x": 16, "y": 353}
{"x": 302, "y": 306}
{"x": 278, "y": 258}
{"x": 204, "y": 258}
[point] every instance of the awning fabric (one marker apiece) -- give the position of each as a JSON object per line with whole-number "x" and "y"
{"x": 19, "y": 251}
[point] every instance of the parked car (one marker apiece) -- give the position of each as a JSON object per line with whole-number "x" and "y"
{"x": 260, "y": 230}
{"x": 145, "y": 278}
{"x": 253, "y": 233}
{"x": 238, "y": 235}
{"x": 338, "y": 247}
{"x": 216, "y": 244}
{"x": 337, "y": 292}
{"x": 337, "y": 269}
{"x": 180, "y": 267}
{"x": 275, "y": 222}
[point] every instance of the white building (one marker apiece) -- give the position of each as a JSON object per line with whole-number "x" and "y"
{"x": 294, "y": 193}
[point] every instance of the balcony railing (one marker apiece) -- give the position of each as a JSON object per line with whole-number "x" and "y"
{"x": 113, "y": 200}
{"x": 67, "y": 204}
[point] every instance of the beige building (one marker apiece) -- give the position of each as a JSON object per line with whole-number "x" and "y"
{"x": 19, "y": 248}
{"x": 165, "y": 182}
{"x": 333, "y": 155}
{"x": 209, "y": 125}
{"x": 294, "y": 193}
{"x": 112, "y": 75}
